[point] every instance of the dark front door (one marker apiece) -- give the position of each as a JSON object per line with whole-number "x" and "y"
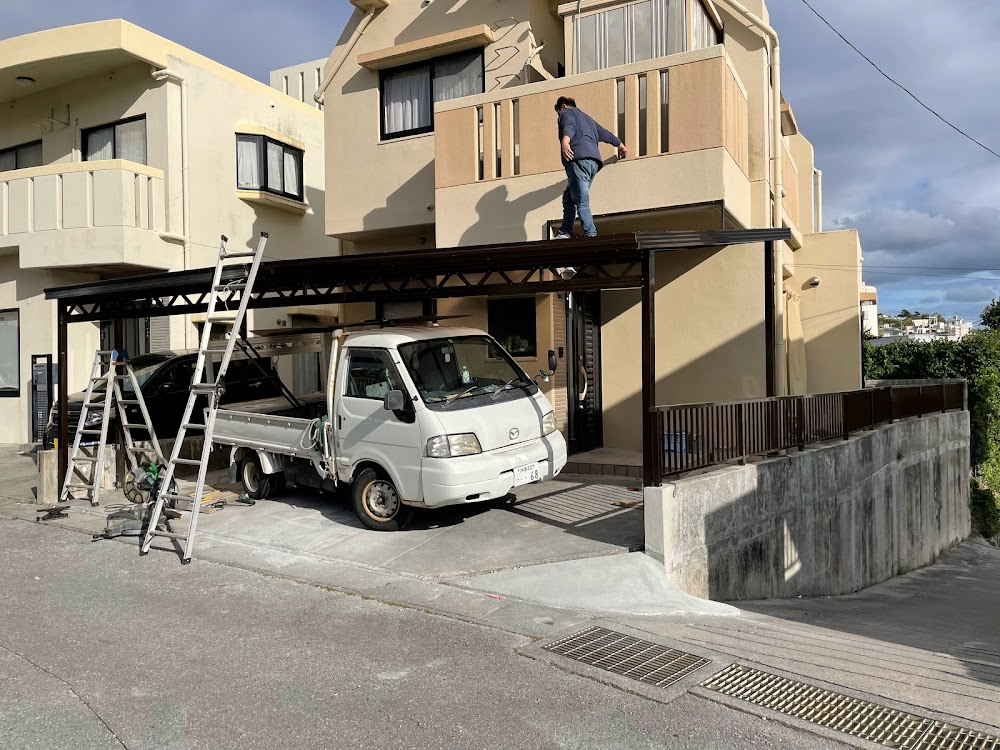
{"x": 583, "y": 370}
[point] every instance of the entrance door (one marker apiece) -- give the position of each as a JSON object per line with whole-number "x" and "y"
{"x": 583, "y": 370}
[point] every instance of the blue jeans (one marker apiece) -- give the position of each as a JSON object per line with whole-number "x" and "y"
{"x": 576, "y": 198}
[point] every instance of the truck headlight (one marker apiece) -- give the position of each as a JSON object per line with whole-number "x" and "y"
{"x": 447, "y": 446}
{"x": 549, "y": 423}
{"x": 95, "y": 417}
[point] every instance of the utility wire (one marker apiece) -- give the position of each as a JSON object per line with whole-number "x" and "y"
{"x": 893, "y": 81}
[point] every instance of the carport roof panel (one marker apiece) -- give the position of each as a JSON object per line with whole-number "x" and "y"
{"x": 291, "y": 275}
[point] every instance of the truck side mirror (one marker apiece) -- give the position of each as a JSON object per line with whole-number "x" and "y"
{"x": 553, "y": 362}
{"x": 394, "y": 401}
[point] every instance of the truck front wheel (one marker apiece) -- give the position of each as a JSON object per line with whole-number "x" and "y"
{"x": 256, "y": 483}
{"x": 376, "y": 502}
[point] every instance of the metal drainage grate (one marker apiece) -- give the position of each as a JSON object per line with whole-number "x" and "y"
{"x": 627, "y": 656}
{"x": 860, "y": 718}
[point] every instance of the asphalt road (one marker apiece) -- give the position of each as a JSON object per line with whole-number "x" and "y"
{"x": 100, "y": 648}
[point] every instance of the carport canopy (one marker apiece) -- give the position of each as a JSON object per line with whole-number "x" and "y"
{"x": 623, "y": 261}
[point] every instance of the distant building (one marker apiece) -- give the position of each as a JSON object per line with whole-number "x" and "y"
{"x": 925, "y": 330}
{"x": 869, "y": 309}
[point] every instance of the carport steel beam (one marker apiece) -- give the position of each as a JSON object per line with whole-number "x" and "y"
{"x": 624, "y": 261}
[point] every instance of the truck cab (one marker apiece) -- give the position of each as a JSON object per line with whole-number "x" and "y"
{"x": 418, "y": 417}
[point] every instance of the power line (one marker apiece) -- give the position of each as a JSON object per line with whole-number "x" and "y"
{"x": 893, "y": 81}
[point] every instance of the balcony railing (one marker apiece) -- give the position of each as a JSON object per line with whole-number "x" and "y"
{"x": 81, "y": 195}
{"x": 677, "y": 104}
{"x": 698, "y": 436}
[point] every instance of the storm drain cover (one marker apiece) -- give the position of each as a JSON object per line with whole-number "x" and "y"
{"x": 869, "y": 721}
{"x": 624, "y": 655}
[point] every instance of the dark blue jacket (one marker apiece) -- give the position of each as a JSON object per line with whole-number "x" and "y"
{"x": 584, "y": 134}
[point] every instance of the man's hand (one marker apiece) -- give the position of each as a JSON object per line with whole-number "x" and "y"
{"x": 566, "y": 150}
{"x": 622, "y": 151}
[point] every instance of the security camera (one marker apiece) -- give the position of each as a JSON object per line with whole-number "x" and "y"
{"x": 815, "y": 281}
{"x": 567, "y": 273}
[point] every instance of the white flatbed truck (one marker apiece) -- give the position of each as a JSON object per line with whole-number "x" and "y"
{"x": 416, "y": 416}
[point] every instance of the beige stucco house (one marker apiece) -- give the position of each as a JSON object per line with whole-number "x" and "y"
{"x": 444, "y": 112}
{"x": 121, "y": 153}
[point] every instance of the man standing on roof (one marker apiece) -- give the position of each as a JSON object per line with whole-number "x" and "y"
{"x": 579, "y": 136}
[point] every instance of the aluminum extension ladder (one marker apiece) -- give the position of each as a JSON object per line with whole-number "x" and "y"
{"x": 203, "y": 383}
{"x": 118, "y": 370}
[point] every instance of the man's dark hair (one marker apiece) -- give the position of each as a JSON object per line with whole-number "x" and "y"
{"x": 564, "y": 101}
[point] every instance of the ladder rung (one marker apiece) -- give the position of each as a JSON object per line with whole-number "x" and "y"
{"x": 168, "y": 535}
{"x": 241, "y": 254}
{"x": 90, "y": 432}
{"x": 80, "y": 487}
{"x": 129, "y": 426}
{"x": 220, "y": 319}
{"x": 188, "y": 461}
{"x": 193, "y": 426}
{"x": 204, "y": 388}
{"x": 87, "y": 459}
{"x": 134, "y": 449}
{"x": 171, "y": 496}
{"x": 129, "y": 403}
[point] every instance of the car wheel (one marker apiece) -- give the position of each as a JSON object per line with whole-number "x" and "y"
{"x": 376, "y": 502}
{"x": 256, "y": 483}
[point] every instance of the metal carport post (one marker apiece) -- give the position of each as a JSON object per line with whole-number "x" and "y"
{"x": 626, "y": 261}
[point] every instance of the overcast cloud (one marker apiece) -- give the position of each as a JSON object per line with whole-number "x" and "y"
{"x": 924, "y": 199}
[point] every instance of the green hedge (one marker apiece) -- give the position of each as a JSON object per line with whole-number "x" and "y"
{"x": 976, "y": 359}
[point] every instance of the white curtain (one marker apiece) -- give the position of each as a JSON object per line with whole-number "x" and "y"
{"x": 676, "y": 27}
{"x": 248, "y": 162}
{"x": 7, "y": 161}
{"x": 291, "y": 173}
{"x": 275, "y": 166}
{"x": 131, "y": 137}
{"x": 462, "y": 76}
{"x": 406, "y": 100}
{"x": 101, "y": 144}
{"x": 9, "y": 379}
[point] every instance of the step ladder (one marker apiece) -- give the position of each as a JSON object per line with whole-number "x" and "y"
{"x": 204, "y": 383}
{"x": 85, "y": 470}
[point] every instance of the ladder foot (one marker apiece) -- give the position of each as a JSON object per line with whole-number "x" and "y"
{"x": 186, "y": 561}
{"x": 143, "y": 553}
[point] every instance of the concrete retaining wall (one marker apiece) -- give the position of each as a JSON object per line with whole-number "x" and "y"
{"x": 832, "y": 519}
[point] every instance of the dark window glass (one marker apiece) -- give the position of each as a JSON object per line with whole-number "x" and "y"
{"x": 370, "y": 375}
{"x": 265, "y": 164}
{"x": 10, "y": 353}
{"x": 512, "y": 323}
{"x": 118, "y": 140}
{"x": 21, "y": 157}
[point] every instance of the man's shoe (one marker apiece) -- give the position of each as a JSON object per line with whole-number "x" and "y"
{"x": 591, "y": 235}
{"x": 563, "y": 236}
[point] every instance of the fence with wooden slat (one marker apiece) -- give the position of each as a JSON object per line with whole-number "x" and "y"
{"x": 697, "y": 436}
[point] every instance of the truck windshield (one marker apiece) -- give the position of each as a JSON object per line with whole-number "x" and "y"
{"x": 448, "y": 369}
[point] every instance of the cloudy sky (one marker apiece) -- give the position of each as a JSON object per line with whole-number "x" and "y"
{"x": 925, "y": 199}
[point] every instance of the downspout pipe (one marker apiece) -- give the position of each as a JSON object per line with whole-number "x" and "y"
{"x": 166, "y": 74}
{"x": 818, "y": 175}
{"x": 777, "y": 205}
{"x": 348, "y": 48}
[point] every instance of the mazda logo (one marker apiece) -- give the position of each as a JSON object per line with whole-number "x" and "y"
{"x": 514, "y": 433}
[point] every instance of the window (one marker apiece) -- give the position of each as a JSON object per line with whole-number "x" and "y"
{"x": 371, "y": 375}
{"x": 630, "y": 33}
{"x": 409, "y": 93}
{"x": 512, "y": 323}
{"x": 21, "y": 157}
{"x": 125, "y": 139}
{"x": 263, "y": 163}
{"x": 136, "y": 340}
{"x": 10, "y": 354}
{"x": 705, "y": 33}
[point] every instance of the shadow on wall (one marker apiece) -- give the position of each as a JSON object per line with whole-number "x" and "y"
{"x": 409, "y": 205}
{"x": 496, "y": 204}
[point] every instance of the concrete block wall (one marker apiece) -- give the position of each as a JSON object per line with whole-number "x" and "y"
{"x": 829, "y": 520}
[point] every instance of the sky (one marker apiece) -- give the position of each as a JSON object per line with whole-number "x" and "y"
{"x": 925, "y": 200}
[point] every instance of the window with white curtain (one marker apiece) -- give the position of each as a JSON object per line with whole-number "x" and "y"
{"x": 21, "y": 157}
{"x": 409, "y": 93}
{"x": 10, "y": 354}
{"x": 630, "y": 33}
{"x": 705, "y": 33}
{"x": 263, "y": 163}
{"x": 118, "y": 140}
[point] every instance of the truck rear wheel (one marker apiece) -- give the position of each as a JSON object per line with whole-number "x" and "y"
{"x": 376, "y": 502}
{"x": 256, "y": 483}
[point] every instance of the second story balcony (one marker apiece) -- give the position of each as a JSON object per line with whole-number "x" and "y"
{"x": 684, "y": 118}
{"x": 98, "y": 216}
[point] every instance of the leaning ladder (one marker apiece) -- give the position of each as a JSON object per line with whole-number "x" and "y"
{"x": 85, "y": 470}
{"x": 199, "y": 387}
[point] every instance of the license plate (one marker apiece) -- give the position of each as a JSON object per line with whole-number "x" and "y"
{"x": 527, "y": 474}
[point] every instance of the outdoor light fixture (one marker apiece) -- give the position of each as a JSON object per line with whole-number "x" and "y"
{"x": 25, "y": 81}
{"x": 567, "y": 273}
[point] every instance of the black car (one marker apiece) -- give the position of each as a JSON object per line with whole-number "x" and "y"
{"x": 165, "y": 380}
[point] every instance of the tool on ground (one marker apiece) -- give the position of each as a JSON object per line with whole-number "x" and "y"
{"x": 203, "y": 384}
{"x": 104, "y": 390}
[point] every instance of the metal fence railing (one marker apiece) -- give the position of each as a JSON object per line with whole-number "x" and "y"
{"x": 696, "y": 436}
